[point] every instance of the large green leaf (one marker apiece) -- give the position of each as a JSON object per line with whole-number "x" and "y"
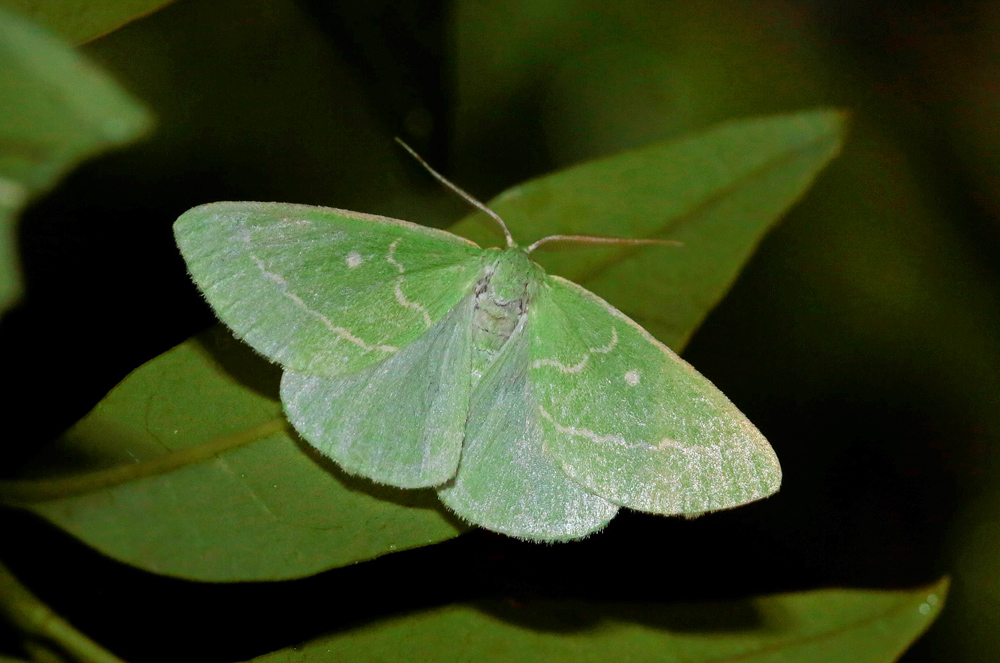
{"x": 268, "y": 511}
{"x": 810, "y": 627}
{"x": 83, "y": 20}
{"x": 187, "y": 468}
{"x": 717, "y": 192}
{"x": 55, "y": 110}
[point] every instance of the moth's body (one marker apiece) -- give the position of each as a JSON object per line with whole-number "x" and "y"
{"x": 502, "y": 298}
{"x": 416, "y": 358}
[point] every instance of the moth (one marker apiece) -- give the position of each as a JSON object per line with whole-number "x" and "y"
{"x": 416, "y": 358}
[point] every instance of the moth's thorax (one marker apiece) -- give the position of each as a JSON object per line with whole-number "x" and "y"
{"x": 503, "y": 295}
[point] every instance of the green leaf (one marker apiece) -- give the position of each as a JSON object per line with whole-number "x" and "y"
{"x": 82, "y": 20}
{"x": 718, "y": 192}
{"x": 186, "y": 469}
{"x": 56, "y": 109}
{"x": 809, "y": 627}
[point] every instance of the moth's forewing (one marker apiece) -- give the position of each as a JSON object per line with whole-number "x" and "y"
{"x": 323, "y": 291}
{"x": 631, "y": 421}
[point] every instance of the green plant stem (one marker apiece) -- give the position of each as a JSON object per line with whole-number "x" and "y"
{"x": 18, "y": 492}
{"x": 37, "y": 620}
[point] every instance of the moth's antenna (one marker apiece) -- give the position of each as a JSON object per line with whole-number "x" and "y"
{"x": 472, "y": 201}
{"x": 587, "y": 239}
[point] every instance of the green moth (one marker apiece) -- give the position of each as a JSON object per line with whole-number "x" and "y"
{"x": 417, "y": 359}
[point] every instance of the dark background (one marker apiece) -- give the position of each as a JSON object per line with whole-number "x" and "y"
{"x": 863, "y": 339}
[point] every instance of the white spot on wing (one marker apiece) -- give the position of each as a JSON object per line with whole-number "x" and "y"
{"x": 339, "y": 331}
{"x": 580, "y": 365}
{"x": 632, "y": 378}
{"x": 353, "y": 259}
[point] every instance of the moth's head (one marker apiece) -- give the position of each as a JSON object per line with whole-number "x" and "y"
{"x": 514, "y": 275}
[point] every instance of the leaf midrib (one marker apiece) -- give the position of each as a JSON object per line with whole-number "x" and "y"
{"x": 27, "y": 491}
{"x": 718, "y": 195}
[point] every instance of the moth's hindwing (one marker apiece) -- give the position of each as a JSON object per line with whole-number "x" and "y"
{"x": 506, "y": 482}
{"x": 400, "y": 422}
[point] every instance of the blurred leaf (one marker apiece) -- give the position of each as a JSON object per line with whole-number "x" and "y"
{"x": 717, "y": 192}
{"x": 37, "y": 621}
{"x": 55, "y": 110}
{"x": 10, "y": 276}
{"x": 186, "y": 469}
{"x": 245, "y": 117}
{"x": 82, "y": 20}
{"x": 827, "y": 625}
